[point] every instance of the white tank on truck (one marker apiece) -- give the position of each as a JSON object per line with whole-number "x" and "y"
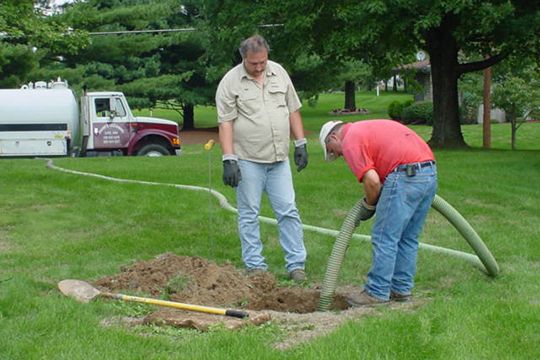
{"x": 44, "y": 119}
{"x": 38, "y": 121}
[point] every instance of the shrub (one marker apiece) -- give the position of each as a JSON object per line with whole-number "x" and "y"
{"x": 466, "y": 116}
{"x": 469, "y": 108}
{"x": 395, "y": 108}
{"x": 418, "y": 113}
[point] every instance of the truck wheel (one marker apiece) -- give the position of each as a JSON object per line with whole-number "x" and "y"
{"x": 153, "y": 150}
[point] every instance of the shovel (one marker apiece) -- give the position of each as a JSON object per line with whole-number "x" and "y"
{"x": 84, "y": 292}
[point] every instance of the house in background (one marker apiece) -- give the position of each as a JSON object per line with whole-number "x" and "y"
{"x": 422, "y": 75}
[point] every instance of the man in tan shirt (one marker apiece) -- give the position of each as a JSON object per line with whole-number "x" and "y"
{"x": 257, "y": 109}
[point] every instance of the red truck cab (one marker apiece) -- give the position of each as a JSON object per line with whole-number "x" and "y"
{"x": 108, "y": 126}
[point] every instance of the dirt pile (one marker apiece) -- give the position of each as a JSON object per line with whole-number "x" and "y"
{"x": 198, "y": 281}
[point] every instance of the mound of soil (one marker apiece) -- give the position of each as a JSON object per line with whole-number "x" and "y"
{"x": 198, "y": 281}
{"x": 195, "y": 280}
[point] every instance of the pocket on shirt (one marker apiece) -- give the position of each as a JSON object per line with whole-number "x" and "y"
{"x": 277, "y": 95}
{"x": 248, "y": 102}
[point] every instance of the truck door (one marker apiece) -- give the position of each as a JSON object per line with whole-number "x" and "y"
{"x": 110, "y": 125}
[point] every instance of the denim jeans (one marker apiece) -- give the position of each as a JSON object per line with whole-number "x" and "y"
{"x": 400, "y": 215}
{"x": 276, "y": 180}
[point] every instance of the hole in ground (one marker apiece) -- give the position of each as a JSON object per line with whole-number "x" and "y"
{"x": 293, "y": 299}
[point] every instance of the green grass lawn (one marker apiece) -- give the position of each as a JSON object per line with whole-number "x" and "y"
{"x": 55, "y": 226}
{"x": 315, "y": 117}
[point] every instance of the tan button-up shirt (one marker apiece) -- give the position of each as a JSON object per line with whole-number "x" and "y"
{"x": 261, "y": 128}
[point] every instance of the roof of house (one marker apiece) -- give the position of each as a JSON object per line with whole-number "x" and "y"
{"x": 419, "y": 66}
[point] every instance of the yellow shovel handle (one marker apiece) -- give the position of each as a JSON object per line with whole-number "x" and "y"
{"x": 177, "y": 305}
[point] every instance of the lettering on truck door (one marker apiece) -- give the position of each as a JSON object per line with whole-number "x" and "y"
{"x": 110, "y": 128}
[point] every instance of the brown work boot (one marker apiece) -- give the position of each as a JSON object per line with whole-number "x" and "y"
{"x": 298, "y": 275}
{"x": 397, "y": 297}
{"x": 363, "y": 299}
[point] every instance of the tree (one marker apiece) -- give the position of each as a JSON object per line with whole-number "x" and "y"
{"x": 154, "y": 69}
{"x": 228, "y": 22}
{"x": 28, "y": 38}
{"x": 517, "y": 94}
{"x": 352, "y": 74}
{"x": 451, "y": 31}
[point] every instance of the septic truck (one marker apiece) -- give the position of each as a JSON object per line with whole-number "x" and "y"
{"x": 45, "y": 119}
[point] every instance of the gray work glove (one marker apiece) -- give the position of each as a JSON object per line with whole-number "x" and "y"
{"x": 366, "y": 212}
{"x": 300, "y": 157}
{"x": 231, "y": 173}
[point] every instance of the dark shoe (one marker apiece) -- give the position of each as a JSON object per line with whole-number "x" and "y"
{"x": 363, "y": 298}
{"x": 397, "y": 297}
{"x": 298, "y": 275}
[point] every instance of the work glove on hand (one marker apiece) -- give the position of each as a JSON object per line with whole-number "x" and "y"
{"x": 300, "y": 157}
{"x": 366, "y": 212}
{"x": 231, "y": 173}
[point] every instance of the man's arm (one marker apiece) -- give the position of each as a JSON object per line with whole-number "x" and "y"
{"x": 372, "y": 190}
{"x": 226, "y": 137}
{"x": 297, "y": 127}
{"x": 372, "y": 186}
{"x": 227, "y": 112}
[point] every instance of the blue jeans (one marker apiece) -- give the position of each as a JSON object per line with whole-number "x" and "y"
{"x": 276, "y": 180}
{"x": 401, "y": 212}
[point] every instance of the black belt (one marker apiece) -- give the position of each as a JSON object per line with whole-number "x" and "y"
{"x": 411, "y": 168}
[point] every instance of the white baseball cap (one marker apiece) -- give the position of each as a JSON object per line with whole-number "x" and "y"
{"x": 325, "y": 131}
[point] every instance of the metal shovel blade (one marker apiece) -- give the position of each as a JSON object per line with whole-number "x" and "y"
{"x": 79, "y": 290}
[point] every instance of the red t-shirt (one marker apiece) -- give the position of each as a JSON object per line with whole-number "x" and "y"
{"x": 381, "y": 145}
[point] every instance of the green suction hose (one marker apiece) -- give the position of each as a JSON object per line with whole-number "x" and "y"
{"x": 346, "y": 233}
{"x": 466, "y": 230}
{"x": 336, "y": 258}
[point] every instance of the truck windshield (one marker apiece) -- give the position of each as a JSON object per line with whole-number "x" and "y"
{"x": 120, "y": 111}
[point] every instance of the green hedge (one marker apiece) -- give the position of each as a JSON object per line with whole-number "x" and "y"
{"x": 395, "y": 108}
{"x": 418, "y": 113}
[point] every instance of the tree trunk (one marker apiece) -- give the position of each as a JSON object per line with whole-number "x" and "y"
{"x": 486, "y": 121}
{"x": 350, "y": 95}
{"x": 189, "y": 117}
{"x": 513, "y": 127}
{"x": 513, "y": 135}
{"x": 443, "y": 52}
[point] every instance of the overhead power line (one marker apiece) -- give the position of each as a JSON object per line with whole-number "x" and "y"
{"x": 139, "y": 31}
{"x": 4, "y": 35}
{"x": 124, "y": 32}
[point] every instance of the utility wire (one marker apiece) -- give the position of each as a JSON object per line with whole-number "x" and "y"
{"x": 124, "y": 32}
{"x": 4, "y": 35}
{"x": 140, "y": 31}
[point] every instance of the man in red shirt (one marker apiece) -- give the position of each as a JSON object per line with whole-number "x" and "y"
{"x": 399, "y": 175}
